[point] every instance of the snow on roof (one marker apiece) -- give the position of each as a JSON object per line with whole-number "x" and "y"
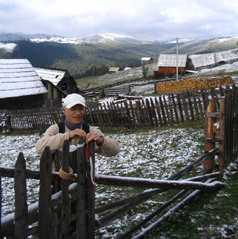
{"x": 54, "y": 76}
{"x": 114, "y": 69}
{"x": 170, "y": 60}
{"x": 18, "y": 78}
{"x": 146, "y": 58}
{"x": 212, "y": 58}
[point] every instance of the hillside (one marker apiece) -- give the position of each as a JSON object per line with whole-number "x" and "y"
{"x": 79, "y": 55}
{"x": 210, "y": 64}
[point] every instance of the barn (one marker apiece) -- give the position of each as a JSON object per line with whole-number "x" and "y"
{"x": 146, "y": 60}
{"x": 167, "y": 64}
{"x": 62, "y": 79}
{"x": 20, "y": 86}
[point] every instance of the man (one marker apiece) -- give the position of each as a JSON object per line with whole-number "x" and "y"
{"x": 73, "y": 128}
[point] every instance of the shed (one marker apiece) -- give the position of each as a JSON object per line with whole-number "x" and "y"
{"x": 167, "y": 64}
{"x": 113, "y": 70}
{"x": 146, "y": 60}
{"x": 20, "y": 86}
{"x": 62, "y": 79}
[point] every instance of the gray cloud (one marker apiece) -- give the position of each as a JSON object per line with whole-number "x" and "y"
{"x": 142, "y": 19}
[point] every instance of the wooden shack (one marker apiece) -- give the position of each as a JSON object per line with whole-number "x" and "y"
{"x": 146, "y": 60}
{"x": 62, "y": 79}
{"x": 113, "y": 70}
{"x": 54, "y": 96}
{"x": 20, "y": 86}
{"x": 167, "y": 64}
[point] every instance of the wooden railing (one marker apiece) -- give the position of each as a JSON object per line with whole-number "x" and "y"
{"x": 164, "y": 110}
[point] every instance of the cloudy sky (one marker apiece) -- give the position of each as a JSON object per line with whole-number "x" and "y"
{"x": 141, "y": 19}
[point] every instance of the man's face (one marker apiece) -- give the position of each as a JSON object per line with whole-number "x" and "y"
{"x": 75, "y": 114}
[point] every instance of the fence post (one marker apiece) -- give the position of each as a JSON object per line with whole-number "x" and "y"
{"x": 45, "y": 207}
{"x": 81, "y": 191}
{"x": 209, "y": 135}
{"x": 221, "y": 158}
{"x": 65, "y": 193}
{"x": 91, "y": 194}
{"x": 21, "y": 212}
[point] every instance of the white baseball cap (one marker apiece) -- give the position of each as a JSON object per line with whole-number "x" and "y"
{"x": 73, "y": 99}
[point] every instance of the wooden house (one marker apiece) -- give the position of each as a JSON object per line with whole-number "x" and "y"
{"x": 167, "y": 64}
{"x": 146, "y": 60}
{"x": 54, "y": 96}
{"x": 62, "y": 79}
{"x": 113, "y": 70}
{"x": 20, "y": 86}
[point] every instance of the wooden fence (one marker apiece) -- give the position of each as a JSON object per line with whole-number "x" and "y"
{"x": 164, "y": 110}
{"x": 70, "y": 211}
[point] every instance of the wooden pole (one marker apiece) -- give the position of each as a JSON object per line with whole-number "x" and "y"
{"x": 221, "y": 158}
{"x": 81, "y": 191}
{"x": 21, "y": 212}
{"x": 90, "y": 194}
{"x": 209, "y": 135}
{"x": 45, "y": 207}
{"x": 65, "y": 208}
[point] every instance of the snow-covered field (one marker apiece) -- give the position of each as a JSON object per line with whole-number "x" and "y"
{"x": 150, "y": 154}
{"x": 153, "y": 154}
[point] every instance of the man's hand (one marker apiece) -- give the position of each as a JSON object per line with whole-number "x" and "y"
{"x": 98, "y": 139}
{"x": 77, "y": 133}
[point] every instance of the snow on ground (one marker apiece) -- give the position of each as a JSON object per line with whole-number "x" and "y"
{"x": 152, "y": 154}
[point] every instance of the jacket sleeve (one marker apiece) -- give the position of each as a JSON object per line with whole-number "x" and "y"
{"x": 110, "y": 147}
{"x": 51, "y": 138}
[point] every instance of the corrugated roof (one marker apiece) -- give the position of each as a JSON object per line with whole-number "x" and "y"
{"x": 170, "y": 60}
{"x": 18, "y": 78}
{"x": 54, "y": 76}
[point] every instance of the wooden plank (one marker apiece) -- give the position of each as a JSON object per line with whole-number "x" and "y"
{"x": 81, "y": 192}
{"x": 221, "y": 157}
{"x": 153, "y": 111}
{"x": 195, "y": 106}
{"x": 138, "y": 113}
{"x": 90, "y": 196}
{"x": 157, "y": 107}
{"x": 128, "y": 115}
{"x": 149, "y": 112}
{"x": 180, "y": 108}
{"x": 171, "y": 108}
{"x": 133, "y": 114}
{"x": 209, "y": 134}
{"x": 65, "y": 207}
{"x": 167, "y": 110}
{"x": 21, "y": 210}
{"x": 45, "y": 208}
{"x": 185, "y": 106}
{"x": 163, "y": 112}
{"x": 190, "y": 106}
{"x": 175, "y": 109}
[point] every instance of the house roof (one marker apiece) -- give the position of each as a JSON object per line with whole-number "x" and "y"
{"x": 146, "y": 58}
{"x": 114, "y": 69}
{"x": 18, "y": 78}
{"x": 170, "y": 60}
{"x": 52, "y": 75}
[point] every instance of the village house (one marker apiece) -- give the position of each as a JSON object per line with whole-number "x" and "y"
{"x": 167, "y": 64}
{"x": 146, "y": 60}
{"x": 113, "y": 70}
{"x": 20, "y": 86}
{"x": 62, "y": 79}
